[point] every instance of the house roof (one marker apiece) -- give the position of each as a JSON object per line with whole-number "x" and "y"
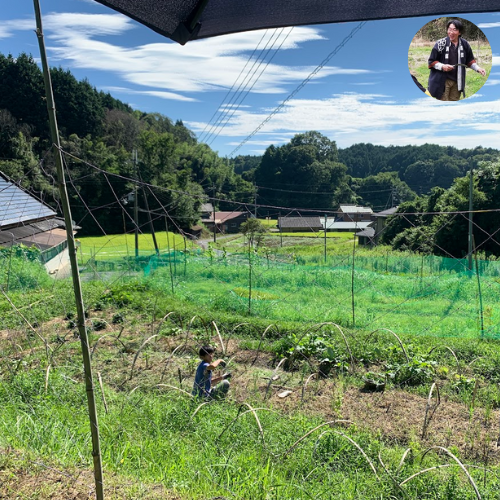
{"x": 207, "y": 207}
{"x": 369, "y": 232}
{"x": 355, "y": 209}
{"x": 300, "y": 222}
{"x": 386, "y": 213}
{"x": 17, "y": 207}
{"x": 29, "y": 234}
{"x": 346, "y": 226}
{"x": 221, "y": 217}
{"x": 184, "y": 20}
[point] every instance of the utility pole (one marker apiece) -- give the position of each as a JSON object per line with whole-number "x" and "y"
{"x": 136, "y": 207}
{"x": 470, "y": 239}
{"x": 255, "y": 201}
{"x": 215, "y": 224}
{"x": 77, "y": 289}
{"x": 326, "y": 220}
{"x": 281, "y": 230}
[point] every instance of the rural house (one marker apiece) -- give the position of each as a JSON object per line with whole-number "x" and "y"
{"x": 371, "y": 235}
{"x": 225, "y": 222}
{"x": 354, "y": 213}
{"x": 26, "y": 220}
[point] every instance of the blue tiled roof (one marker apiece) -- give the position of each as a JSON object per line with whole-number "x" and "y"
{"x": 18, "y": 207}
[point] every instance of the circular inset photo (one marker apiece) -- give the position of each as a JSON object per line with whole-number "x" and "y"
{"x": 449, "y": 59}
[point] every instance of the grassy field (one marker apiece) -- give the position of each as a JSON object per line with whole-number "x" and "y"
{"x": 122, "y": 245}
{"x": 330, "y": 433}
{"x": 419, "y": 55}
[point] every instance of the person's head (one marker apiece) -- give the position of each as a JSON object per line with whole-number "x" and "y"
{"x": 454, "y": 29}
{"x": 206, "y": 353}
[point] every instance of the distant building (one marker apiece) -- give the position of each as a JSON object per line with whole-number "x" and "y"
{"x": 207, "y": 210}
{"x": 299, "y": 224}
{"x": 371, "y": 235}
{"x": 26, "y": 220}
{"x": 332, "y": 225}
{"x": 225, "y": 222}
{"x": 354, "y": 213}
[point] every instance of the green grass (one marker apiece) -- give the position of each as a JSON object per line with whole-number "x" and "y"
{"x": 121, "y": 245}
{"x": 418, "y": 57}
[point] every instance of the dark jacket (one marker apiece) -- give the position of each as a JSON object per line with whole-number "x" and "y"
{"x": 439, "y": 54}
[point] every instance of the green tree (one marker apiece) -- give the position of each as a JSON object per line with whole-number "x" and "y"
{"x": 303, "y": 173}
{"x": 253, "y": 229}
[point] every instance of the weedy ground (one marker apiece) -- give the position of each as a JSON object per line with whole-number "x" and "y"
{"x": 330, "y": 432}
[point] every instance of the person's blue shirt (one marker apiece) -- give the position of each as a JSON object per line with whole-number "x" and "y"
{"x": 202, "y": 381}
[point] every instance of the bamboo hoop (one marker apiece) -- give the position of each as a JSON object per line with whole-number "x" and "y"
{"x": 428, "y": 406}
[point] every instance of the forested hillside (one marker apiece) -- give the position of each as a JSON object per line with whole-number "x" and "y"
{"x": 100, "y": 133}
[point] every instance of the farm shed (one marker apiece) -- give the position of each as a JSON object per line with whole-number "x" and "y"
{"x": 28, "y": 221}
{"x": 367, "y": 237}
{"x": 225, "y": 222}
{"x": 299, "y": 224}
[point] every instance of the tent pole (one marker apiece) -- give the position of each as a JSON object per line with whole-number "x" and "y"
{"x": 54, "y": 133}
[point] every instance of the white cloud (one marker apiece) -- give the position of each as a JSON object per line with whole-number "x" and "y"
{"x": 200, "y": 66}
{"x": 488, "y": 25}
{"x": 351, "y": 118}
{"x": 155, "y": 93}
{"x": 9, "y": 27}
{"x": 492, "y": 82}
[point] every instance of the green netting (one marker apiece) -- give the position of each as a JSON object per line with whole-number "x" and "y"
{"x": 420, "y": 295}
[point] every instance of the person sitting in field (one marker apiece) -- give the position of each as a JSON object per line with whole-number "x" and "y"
{"x": 204, "y": 382}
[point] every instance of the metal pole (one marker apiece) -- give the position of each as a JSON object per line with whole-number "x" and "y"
{"x": 469, "y": 249}
{"x": 281, "y": 230}
{"x": 89, "y": 385}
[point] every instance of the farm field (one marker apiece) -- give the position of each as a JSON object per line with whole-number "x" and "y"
{"x": 420, "y": 295}
{"x": 403, "y": 402}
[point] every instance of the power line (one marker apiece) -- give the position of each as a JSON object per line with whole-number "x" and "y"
{"x": 303, "y": 84}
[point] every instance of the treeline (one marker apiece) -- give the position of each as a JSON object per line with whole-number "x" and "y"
{"x": 426, "y": 229}
{"x": 311, "y": 172}
{"x": 99, "y": 135}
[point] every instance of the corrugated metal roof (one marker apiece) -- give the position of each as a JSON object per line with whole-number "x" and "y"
{"x": 18, "y": 207}
{"x": 354, "y": 209}
{"x": 346, "y": 226}
{"x": 369, "y": 232}
{"x": 15, "y": 235}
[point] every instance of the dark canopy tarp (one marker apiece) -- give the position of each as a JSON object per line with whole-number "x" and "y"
{"x": 184, "y": 20}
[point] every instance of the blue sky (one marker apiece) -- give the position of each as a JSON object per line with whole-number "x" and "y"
{"x": 363, "y": 94}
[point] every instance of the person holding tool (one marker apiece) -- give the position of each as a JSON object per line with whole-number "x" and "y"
{"x": 449, "y": 59}
{"x": 203, "y": 380}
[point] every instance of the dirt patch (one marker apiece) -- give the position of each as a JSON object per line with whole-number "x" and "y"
{"x": 23, "y": 479}
{"x": 397, "y": 415}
